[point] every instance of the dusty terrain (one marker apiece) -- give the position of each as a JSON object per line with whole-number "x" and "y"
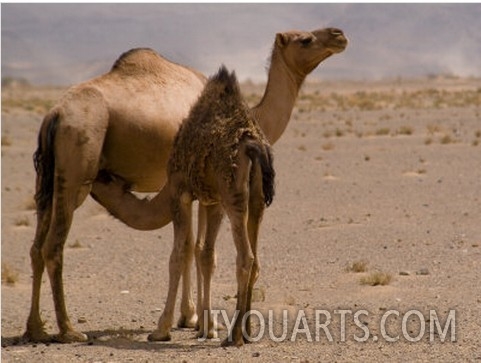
{"x": 371, "y": 177}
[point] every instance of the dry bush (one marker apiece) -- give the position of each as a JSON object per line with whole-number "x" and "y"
{"x": 6, "y": 140}
{"x": 405, "y": 130}
{"x": 446, "y": 139}
{"x": 9, "y": 276}
{"x": 383, "y": 131}
{"x": 327, "y": 134}
{"x": 22, "y": 222}
{"x": 339, "y": 133}
{"x": 30, "y": 204}
{"x": 428, "y": 98}
{"x": 76, "y": 244}
{"x": 376, "y": 278}
{"x": 357, "y": 266}
{"x": 327, "y": 146}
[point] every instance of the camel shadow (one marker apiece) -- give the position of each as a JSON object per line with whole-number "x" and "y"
{"x": 128, "y": 339}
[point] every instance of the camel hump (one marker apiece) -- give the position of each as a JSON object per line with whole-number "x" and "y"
{"x": 147, "y": 62}
{"x": 133, "y": 55}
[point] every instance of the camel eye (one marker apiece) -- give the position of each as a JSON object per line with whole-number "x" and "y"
{"x": 306, "y": 41}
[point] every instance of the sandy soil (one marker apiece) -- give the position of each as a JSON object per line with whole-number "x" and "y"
{"x": 382, "y": 177}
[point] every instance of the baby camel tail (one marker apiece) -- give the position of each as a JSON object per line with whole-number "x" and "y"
{"x": 220, "y": 157}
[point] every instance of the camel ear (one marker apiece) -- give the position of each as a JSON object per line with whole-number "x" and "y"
{"x": 282, "y": 39}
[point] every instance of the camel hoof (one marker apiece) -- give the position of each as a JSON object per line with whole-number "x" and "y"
{"x": 210, "y": 335}
{"x": 231, "y": 342}
{"x": 157, "y": 336}
{"x": 37, "y": 336}
{"x": 185, "y": 322}
{"x": 71, "y": 336}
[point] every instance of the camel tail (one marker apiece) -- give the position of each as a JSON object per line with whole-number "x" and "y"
{"x": 44, "y": 162}
{"x": 263, "y": 155}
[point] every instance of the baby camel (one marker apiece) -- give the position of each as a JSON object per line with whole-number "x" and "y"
{"x": 220, "y": 157}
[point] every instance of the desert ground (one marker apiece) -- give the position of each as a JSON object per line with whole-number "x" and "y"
{"x": 376, "y": 225}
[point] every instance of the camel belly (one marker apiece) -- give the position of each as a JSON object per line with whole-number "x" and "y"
{"x": 142, "y": 126}
{"x": 139, "y": 155}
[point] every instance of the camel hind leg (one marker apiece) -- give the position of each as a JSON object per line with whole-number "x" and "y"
{"x": 35, "y": 330}
{"x": 236, "y": 206}
{"x": 67, "y": 161}
{"x": 66, "y": 198}
{"x": 256, "y": 212}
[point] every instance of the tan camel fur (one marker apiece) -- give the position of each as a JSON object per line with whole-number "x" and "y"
{"x": 221, "y": 158}
{"x": 120, "y": 127}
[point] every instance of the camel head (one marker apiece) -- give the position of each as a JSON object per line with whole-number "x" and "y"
{"x": 302, "y": 51}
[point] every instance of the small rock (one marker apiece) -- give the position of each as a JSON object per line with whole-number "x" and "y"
{"x": 422, "y": 272}
{"x": 404, "y": 273}
{"x": 256, "y": 354}
{"x": 81, "y": 320}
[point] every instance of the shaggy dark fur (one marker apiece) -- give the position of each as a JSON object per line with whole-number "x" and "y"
{"x": 210, "y": 138}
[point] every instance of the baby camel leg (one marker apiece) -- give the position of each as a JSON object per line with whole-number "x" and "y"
{"x": 188, "y": 317}
{"x": 256, "y": 211}
{"x": 199, "y": 246}
{"x": 206, "y": 263}
{"x": 145, "y": 214}
{"x": 183, "y": 241}
{"x": 244, "y": 262}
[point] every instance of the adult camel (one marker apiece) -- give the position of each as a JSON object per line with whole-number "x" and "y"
{"x": 121, "y": 125}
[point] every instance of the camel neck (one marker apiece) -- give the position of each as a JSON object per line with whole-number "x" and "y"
{"x": 274, "y": 110}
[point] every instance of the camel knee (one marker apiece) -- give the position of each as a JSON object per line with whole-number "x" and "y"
{"x": 189, "y": 249}
{"x": 52, "y": 255}
{"x": 244, "y": 266}
{"x": 36, "y": 256}
{"x": 255, "y": 271}
{"x": 208, "y": 259}
{"x": 199, "y": 246}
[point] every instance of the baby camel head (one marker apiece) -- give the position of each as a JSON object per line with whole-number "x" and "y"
{"x": 302, "y": 51}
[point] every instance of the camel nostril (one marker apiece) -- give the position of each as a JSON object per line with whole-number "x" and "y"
{"x": 336, "y": 32}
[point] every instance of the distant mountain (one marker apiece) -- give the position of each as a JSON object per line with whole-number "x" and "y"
{"x": 68, "y": 43}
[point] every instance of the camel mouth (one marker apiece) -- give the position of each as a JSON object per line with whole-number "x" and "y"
{"x": 334, "y": 39}
{"x": 339, "y": 41}
{"x": 339, "y": 46}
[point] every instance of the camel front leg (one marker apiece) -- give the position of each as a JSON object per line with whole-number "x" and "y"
{"x": 145, "y": 214}
{"x": 206, "y": 264}
{"x": 244, "y": 262}
{"x": 188, "y": 317}
{"x": 183, "y": 238}
{"x": 199, "y": 246}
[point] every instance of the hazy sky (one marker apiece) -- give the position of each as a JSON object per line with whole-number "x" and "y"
{"x": 67, "y": 43}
